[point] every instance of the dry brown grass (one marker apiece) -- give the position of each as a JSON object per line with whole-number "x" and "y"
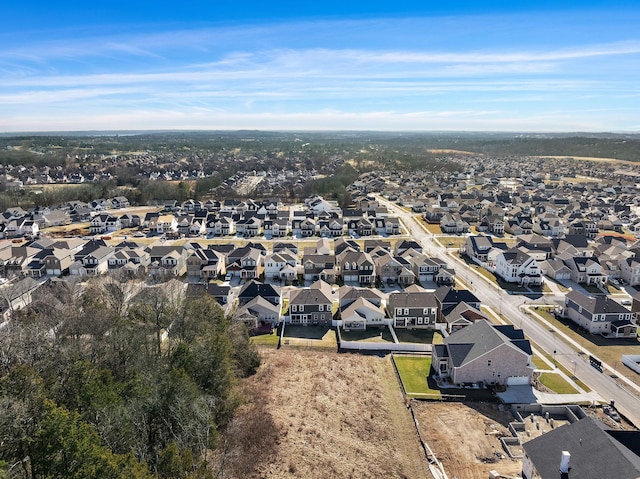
{"x": 466, "y": 438}
{"x": 335, "y": 415}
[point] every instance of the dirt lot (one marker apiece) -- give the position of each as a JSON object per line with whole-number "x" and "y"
{"x": 330, "y": 415}
{"x": 465, "y": 438}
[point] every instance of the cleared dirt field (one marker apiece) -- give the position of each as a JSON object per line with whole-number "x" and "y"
{"x": 334, "y": 415}
{"x": 465, "y": 438}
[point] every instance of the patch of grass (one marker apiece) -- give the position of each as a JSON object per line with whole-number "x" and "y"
{"x": 432, "y": 228}
{"x": 556, "y": 383}
{"x": 371, "y": 335}
{"x": 413, "y": 372}
{"x": 310, "y": 336}
{"x": 265, "y": 339}
{"x": 540, "y": 363}
{"x": 608, "y": 350}
{"x": 487, "y": 274}
{"x": 418, "y": 336}
{"x": 452, "y": 241}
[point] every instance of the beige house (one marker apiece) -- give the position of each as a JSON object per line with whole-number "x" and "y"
{"x": 484, "y": 353}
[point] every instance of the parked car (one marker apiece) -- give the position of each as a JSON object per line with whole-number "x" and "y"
{"x": 228, "y": 277}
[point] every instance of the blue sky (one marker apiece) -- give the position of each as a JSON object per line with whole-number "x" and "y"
{"x": 328, "y": 65}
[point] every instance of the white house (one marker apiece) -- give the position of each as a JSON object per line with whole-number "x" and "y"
{"x": 515, "y": 266}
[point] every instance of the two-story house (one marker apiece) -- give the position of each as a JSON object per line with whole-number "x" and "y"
{"x": 630, "y": 270}
{"x": 515, "y": 266}
{"x": 586, "y": 270}
{"x": 417, "y": 310}
{"x": 357, "y": 266}
{"x": 104, "y": 223}
{"x": 313, "y": 305}
{"x": 484, "y": 353}
{"x": 600, "y": 315}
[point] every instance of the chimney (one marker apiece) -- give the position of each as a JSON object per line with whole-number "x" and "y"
{"x": 564, "y": 462}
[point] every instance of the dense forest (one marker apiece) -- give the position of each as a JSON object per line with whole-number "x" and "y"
{"x": 117, "y": 379}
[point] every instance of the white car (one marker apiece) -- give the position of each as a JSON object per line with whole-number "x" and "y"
{"x": 228, "y": 277}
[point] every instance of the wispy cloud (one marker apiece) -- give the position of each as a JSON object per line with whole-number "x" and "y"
{"x": 376, "y": 74}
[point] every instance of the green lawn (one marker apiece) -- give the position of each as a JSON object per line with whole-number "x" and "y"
{"x": 539, "y": 363}
{"x": 608, "y": 350}
{"x": 557, "y": 383}
{"x": 413, "y": 372}
{"x": 265, "y": 339}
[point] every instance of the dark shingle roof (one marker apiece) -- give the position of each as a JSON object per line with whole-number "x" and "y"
{"x": 596, "y": 452}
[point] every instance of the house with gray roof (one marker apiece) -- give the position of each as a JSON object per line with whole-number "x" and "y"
{"x": 484, "y": 353}
{"x": 585, "y": 449}
{"x": 600, "y": 315}
{"x": 417, "y": 310}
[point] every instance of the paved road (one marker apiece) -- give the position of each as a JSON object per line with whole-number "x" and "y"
{"x": 626, "y": 400}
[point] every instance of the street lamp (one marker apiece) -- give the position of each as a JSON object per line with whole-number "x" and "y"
{"x": 555, "y": 365}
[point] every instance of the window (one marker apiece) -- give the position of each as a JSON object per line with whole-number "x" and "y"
{"x": 489, "y": 363}
{"x": 321, "y": 307}
{"x": 405, "y": 312}
{"x": 294, "y": 308}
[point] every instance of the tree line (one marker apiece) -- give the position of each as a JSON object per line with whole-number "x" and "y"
{"x": 117, "y": 379}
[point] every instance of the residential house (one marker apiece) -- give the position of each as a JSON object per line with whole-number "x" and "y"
{"x": 424, "y": 268}
{"x": 361, "y": 314}
{"x": 394, "y": 269}
{"x": 357, "y": 266}
{"x": 586, "y": 270}
{"x": 94, "y": 263}
{"x": 477, "y": 247}
{"x": 253, "y": 288}
{"x": 57, "y": 261}
{"x": 283, "y": 266}
{"x": 514, "y": 266}
{"x": 585, "y": 449}
{"x": 484, "y": 353}
{"x": 120, "y": 202}
{"x": 319, "y": 266}
{"x": 258, "y": 312}
{"x": 313, "y": 305}
{"x": 167, "y": 261}
{"x": 630, "y": 271}
{"x": 24, "y": 226}
{"x": 104, "y": 223}
{"x": 164, "y": 224}
{"x": 221, "y": 293}
{"x": 453, "y": 223}
{"x": 133, "y": 259}
{"x": 348, "y": 294}
{"x": 205, "y": 263}
{"x": 600, "y": 315}
{"x": 462, "y": 315}
{"x": 417, "y": 310}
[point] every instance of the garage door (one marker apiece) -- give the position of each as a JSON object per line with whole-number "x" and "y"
{"x": 517, "y": 381}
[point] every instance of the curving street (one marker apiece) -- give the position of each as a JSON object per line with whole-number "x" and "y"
{"x": 626, "y": 397}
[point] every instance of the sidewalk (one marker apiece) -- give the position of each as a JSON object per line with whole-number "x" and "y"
{"x": 529, "y": 395}
{"x": 585, "y": 351}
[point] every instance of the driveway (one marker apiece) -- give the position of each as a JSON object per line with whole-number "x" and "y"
{"x": 529, "y": 395}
